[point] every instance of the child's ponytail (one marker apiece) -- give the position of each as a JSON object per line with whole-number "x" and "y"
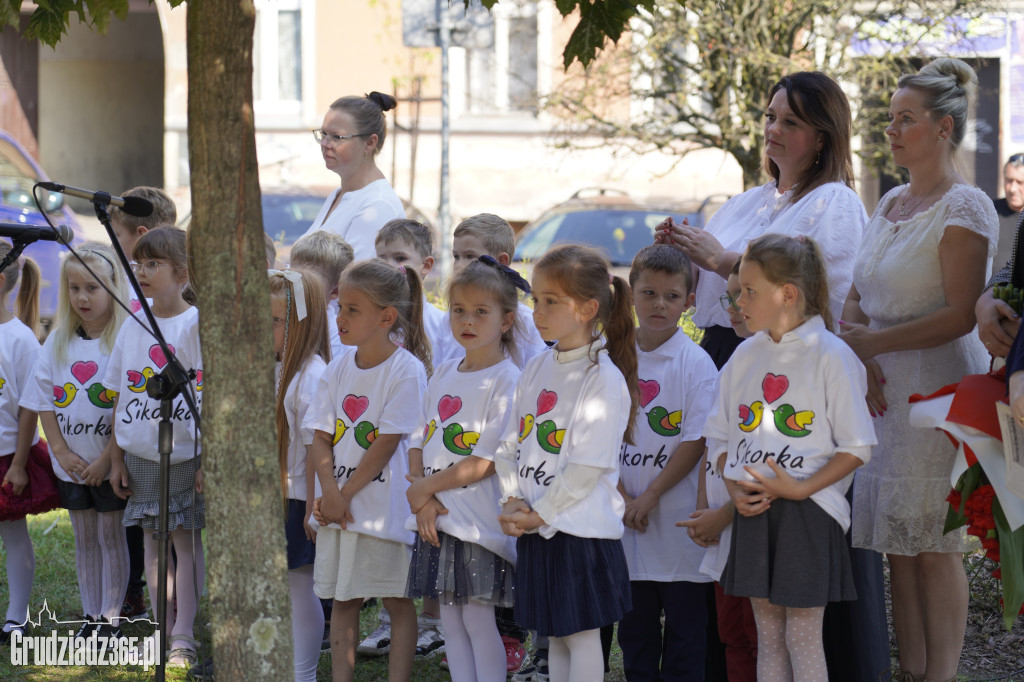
{"x": 415, "y": 334}
{"x": 305, "y": 335}
{"x": 620, "y": 340}
{"x": 584, "y": 274}
{"x": 28, "y": 295}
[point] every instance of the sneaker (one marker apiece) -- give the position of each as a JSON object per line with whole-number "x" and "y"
{"x": 134, "y": 607}
{"x": 378, "y": 642}
{"x": 515, "y": 653}
{"x": 429, "y": 640}
{"x": 534, "y": 670}
{"x": 8, "y": 629}
{"x": 86, "y": 630}
{"x": 202, "y": 671}
{"x": 103, "y": 633}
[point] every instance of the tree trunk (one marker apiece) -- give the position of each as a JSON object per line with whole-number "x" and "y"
{"x": 245, "y": 534}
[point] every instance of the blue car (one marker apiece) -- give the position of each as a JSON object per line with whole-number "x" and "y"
{"x": 18, "y": 173}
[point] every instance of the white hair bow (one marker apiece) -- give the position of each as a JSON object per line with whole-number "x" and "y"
{"x": 300, "y": 293}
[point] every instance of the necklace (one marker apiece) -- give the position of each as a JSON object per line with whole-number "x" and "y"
{"x": 902, "y": 209}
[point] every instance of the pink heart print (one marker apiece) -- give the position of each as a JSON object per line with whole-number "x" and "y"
{"x": 546, "y": 401}
{"x": 447, "y": 406}
{"x": 774, "y": 386}
{"x": 354, "y": 406}
{"x": 649, "y": 390}
{"x": 156, "y": 354}
{"x": 135, "y": 306}
{"x": 83, "y": 370}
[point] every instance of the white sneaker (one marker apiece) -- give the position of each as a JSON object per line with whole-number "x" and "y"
{"x": 378, "y": 642}
{"x": 429, "y": 639}
{"x": 535, "y": 669}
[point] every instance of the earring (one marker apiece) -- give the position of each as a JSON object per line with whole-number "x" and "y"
{"x": 817, "y": 161}
{"x": 941, "y": 138}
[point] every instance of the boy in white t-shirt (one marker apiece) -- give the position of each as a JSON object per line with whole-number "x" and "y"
{"x": 658, "y": 476}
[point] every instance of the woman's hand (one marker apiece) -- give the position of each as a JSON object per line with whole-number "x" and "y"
{"x": 17, "y": 478}
{"x": 426, "y": 521}
{"x": 700, "y": 245}
{"x": 997, "y": 323}
{"x": 859, "y": 337}
{"x": 876, "y": 394}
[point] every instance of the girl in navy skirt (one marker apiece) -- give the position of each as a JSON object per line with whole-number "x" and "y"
{"x": 558, "y": 460}
{"x": 302, "y": 349}
{"x": 790, "y": 427}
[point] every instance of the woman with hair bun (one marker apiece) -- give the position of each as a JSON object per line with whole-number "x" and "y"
{"x": 351, "y": 137}
{"x": 909, "y": 317}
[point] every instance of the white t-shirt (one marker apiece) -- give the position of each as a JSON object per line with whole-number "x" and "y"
{"x": 298, "y": 399}
{"x": 678, "y": 384}
{"x": 135, "y": 358}
{"x": 19, "y": 348}
{"x": 800, "y": 401}
{"x": 832, "y": 214}
{"x": 355, "y": 405}
{"x": 715, "y": 556}
{"x": 570, "y": 407}
{"x": 443, "y": 346}
{"x": 72, "y": 390}
{"x": 458, "y": 409}
{"x": 359, "y": 216}
{"x": 337, "y": 347}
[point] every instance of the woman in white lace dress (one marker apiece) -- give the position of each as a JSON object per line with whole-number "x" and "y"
{"x": 909, "y": 317}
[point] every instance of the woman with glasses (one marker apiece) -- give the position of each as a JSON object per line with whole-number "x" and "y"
{"x": 807, "y": 127}
{"x": 351, "y": 137}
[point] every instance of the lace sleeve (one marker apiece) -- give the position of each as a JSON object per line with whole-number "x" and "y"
{"x": 971, "y": 209}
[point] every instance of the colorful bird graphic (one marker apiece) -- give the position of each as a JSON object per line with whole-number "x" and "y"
{"x": 339, "y": 430}
{"x": 100, "y": 396}
{"x": 428, "y": 431}
{"x": 365, "y": 433}
{"x": 663, "y": 422}
{"x": 63, "y": 395}
{"x": 789, "y": 422}
{"x": 137, "y": 380}
{"x": 458, "y": 441}
{"x": 199, "y": 380}
{"x": 550, "y": 437}
{"x": 2, "y": 382}
{"x": 525, "y": 426}
{"x": 750, "y": 417}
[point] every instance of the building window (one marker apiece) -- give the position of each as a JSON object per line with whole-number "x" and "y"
{"x": 283, "y": 61}
{"x": 502, "y": 78}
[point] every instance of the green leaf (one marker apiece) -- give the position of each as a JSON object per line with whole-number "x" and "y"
{"x": 1011, "y": 564}
{"x": 47, "y": 23}
{"x": 598, "y": 21}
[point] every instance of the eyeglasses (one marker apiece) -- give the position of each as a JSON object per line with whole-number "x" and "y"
{"x": 332, "y": 140}
{"x": 728, "y": 303}
{"x": 1016, "y": 160}
{"x": 145, "y": 268}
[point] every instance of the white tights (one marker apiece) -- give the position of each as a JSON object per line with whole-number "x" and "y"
{"x": 180, "y": 581}
{"x": 307, "y": 623}
{"x": 472, "y": 643}
{"x": 101, "y": 557}
{"x": 21, "y": 567}
{"x": 577, "y": 657}
{"x": 789, "y": 645}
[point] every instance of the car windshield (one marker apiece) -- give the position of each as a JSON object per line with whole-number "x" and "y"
{"x": 16, "y": 180}
{"x": 286, "y": 217}
{"x": 619, "y": 233}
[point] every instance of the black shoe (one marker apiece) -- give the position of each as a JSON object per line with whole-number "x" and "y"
{"x": 88, "y": 626}
{"x": 104, "y": 630}
{"x": 202, "y": 671}
{"x": 8, "y": 629}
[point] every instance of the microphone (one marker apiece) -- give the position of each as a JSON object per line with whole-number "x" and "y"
{"x": 136, "y": 206}
{"x": 31, "y": 233}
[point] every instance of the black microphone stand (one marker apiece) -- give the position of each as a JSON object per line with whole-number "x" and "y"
{"x": 171, "y": 382}
{"x": 17, "y": 246}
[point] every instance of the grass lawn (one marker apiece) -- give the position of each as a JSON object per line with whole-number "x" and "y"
{"x": 56, "y": 584}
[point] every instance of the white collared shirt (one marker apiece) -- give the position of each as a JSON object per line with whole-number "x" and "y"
{"x": 359, "y": 216}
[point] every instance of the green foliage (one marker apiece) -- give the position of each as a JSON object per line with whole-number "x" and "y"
{"x": 51, "y": 18}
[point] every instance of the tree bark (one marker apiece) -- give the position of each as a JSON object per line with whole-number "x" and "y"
{"x": 245, "y": 530}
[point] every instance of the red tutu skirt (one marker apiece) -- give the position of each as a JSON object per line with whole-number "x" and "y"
{"x": 40, "y": 495}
